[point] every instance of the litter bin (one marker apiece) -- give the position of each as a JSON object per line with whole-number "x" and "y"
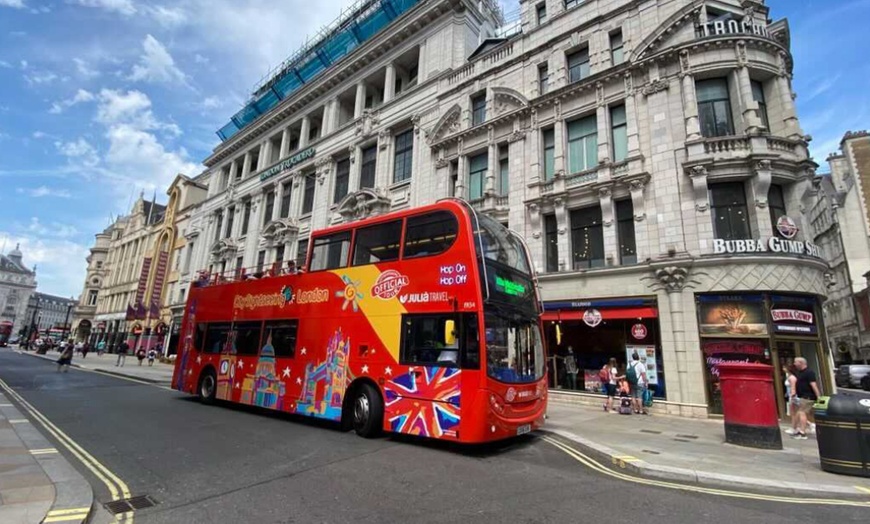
{"x": 843, "y": 435}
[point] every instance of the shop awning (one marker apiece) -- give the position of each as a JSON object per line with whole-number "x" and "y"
{"x": 606, "y": 314}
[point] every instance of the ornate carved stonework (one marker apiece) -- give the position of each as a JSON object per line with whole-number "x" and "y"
{"x": 362, "y": 204}
{"x": 224, "y": 249}
{"x": 599, "y": 94}
{"x": 281, "y": 231}
{"x": 629, "y": 83}
{"x": 655, "y": 86}
{"x": 384, "y": 136}
{"x": 672, "y": 279}
{"x": 448, "y": 124}
{"x": 685, "y": 67}
{"x": 517, "y": 135}
{"x": 740, "y": 47}
{"x": 795, "y": 277}
{"x": 698, "y": 174}
{"x": 365, "y": 125}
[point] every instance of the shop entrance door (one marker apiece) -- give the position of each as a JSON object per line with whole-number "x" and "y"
{"x": 786, "y": 352}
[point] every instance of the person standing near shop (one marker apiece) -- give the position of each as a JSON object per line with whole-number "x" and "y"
{"x": 571, "y": 369}
{"x": 613, "y": 377}
{"x": 807, "y": 388}
{"x": 637, "y": 379}
{"x": 123, "y": 348}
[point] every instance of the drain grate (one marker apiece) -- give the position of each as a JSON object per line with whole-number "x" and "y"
{"x": 130, "y": 504}
{"x": 682, "y": 440}
{"x": 693, "y": 437}
{"x": 651, "y": 452}
{"x": 651, "y": 431}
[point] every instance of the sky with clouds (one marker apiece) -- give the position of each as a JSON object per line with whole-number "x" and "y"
{"x": 103, "y": 99}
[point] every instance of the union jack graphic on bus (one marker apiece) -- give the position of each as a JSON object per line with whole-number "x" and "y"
{"x": 408, "y": 413}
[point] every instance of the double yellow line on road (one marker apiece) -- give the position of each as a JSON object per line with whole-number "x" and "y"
{"x": 117, "y": 488}
{"x": 596, "y": 466}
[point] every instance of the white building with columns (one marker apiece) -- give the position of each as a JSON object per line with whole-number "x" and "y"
{"x": 649, "y": 151}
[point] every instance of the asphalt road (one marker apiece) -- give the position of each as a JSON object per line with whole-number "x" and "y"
{"x": 227, "y": 464}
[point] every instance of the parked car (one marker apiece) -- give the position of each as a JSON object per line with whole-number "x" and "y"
{"x": 865, "y": 382}
{"x": 13, "y": 340}
{"x": 850, "y": 376}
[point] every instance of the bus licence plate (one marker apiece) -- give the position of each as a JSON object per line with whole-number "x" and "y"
{"x": 522, "y": 430}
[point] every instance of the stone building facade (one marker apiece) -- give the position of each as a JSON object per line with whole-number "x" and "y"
{"x": 50, "y": 312}
{"x": 648, "y": 151}
{"x": 95, "y": 278}
{"x": 841, "y": 224}
{"x": 17, "y": 284}
{"x": 123, "y": 311}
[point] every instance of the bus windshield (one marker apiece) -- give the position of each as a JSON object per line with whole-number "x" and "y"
{"x": 514, "y": 350}
{"x": 497, "y": 244}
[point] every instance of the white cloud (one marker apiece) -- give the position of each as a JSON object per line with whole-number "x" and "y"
{"x": 84, "y": 69}
{"x": 156, "y": 64}
{"x": 40, "y": 77}
{"x": 7, "y": 65}
{"x": 55, "y": 229}
{"x": 24, "y": 64}
{"x": 39, "y": 134}
{"x": 167, "y": 17}
{"x": 60, "y": 260}
{"x": 80, "y": 97}
{"x": 199, "y": 59}
{"x": 139, "y": 156}
{"x": 823, "y": 86}
{"x": 211, "y": 102}
{"x": 80, "y": 152}
{"x": 17, "y": 4}
{"x": 124, "y": 7}
{"x": 44, "y": 191}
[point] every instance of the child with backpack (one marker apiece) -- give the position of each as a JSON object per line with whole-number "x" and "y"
{"x": 609, "y": 378}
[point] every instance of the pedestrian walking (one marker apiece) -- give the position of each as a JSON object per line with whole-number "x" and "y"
{"x": 122, "y": 350}
{"x": 66, "y": 356}
{"x": 610, "y": 376}
{"x": 791, "y": 398}
{"x": 638, "y": 382}
{"x": 807, "y": 389}
{"x": 140, "y": 355}
{"x": 101, "y": 348}
{"x": 85, "y": 348}
{"x": 152, "y": 354}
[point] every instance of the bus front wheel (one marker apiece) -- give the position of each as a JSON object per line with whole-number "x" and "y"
{"x": 207, "y": 387}
{"x": 368, "y": 411}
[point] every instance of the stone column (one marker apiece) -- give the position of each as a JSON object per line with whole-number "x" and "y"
{"x": 390, "y": 83}
{"x": 384, "y": 176}
{"x": 234, "y": 169}
{"x": 355, "y": 156}
{"x": 246, "y": 165}
{"x": 536, "y": 166}
{"x": 673, "y": 280}
{"x": 265, "y": 153}
{"x": 751, "y": 121}
{"x": 491, "y": 163}
{"x": 563, "y": 241}
{"x": 690, "y": 108}
{"x": 603, "y": 123}
{"x": 759, "y": 188}
{"x": 786, "y": 98}
{"x": 322, "y": 198}
{"x": 285, "y": 143}
{"x": 461, "y": 174}
{"x": 631, "y": 117}
{"x": 360, "y": 102}
{"x": 559, "y": 156}
{"x": 306, "y": 129}
{"x": 605, "y": 200}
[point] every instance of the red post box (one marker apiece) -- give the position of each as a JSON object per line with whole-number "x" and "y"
{"x": 749, "y": 405}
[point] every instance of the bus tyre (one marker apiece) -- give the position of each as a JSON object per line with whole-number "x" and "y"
{"x": 207, "y": 387}
{"x": 368, "y": 411}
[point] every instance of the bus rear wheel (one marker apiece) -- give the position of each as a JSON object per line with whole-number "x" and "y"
{"x": 207, "y": 387}
{"x": 368, "y": 411}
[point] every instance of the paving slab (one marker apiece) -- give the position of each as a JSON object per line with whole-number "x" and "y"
{"x": 159, "y": 373}
{"x": 695, "y": 451}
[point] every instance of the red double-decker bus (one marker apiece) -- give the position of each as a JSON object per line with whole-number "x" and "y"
{"x": 423, "y": 322}
{"x": 5, "y": 332}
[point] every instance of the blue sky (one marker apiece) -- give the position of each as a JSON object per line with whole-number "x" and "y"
{"x": 102, "y": 99}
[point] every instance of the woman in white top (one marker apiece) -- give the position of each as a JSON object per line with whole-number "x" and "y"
{"x": 613, "y": 376}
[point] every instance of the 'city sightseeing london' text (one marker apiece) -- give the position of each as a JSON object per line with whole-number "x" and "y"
{"x": 773, "y": 245}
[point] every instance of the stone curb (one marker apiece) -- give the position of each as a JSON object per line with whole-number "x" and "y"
{"x": 72, "y": 490}
{"x": 640, "y": 468}
{"x": 104, "y": 371}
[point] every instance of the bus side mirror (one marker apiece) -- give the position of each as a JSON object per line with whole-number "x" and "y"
{"x": 449, "y": 332}
{"x": 558, "y": 334}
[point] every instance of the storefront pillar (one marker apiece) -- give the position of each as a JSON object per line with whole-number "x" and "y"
{"x": 673, "y": 280}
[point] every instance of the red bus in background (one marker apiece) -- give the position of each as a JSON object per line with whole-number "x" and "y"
{"x": 422, "y": 322}
{"x": 5, "y": 332}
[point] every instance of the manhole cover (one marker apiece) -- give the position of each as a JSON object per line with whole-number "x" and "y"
{"x": 130, "y": 504}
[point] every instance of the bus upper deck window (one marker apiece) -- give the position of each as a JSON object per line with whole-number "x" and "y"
{"x": 330, "y": 252}
{"x": 378, "y": 243}
{"x": 430, "y": 234}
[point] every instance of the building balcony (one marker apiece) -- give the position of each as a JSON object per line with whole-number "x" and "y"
{"x": 742, "y": 148}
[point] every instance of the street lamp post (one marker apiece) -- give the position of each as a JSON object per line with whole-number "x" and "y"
{"x": 66, "y": 320}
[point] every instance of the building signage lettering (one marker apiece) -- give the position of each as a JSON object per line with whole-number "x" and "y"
{"x": 509, "y": 287}
{"x": 732, "y": 27}
{"x": 773, "y": 245}
{"x": 592, "y": 317}
{"x": 780, "y": 315}
{"x": 287, "y": 163}
{"x": 250, "y": 301}
{"x": 424, "y": 297}
{"x": 453, "y": 274}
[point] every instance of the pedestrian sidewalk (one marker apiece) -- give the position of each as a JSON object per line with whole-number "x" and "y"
{"x": 159, "y": 373}
{"x": 694, "y": 451}
{"x": 37, "y": 483}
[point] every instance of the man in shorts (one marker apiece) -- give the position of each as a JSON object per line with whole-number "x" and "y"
{"x": 807, "y": 392}
{"x": 638, "y": 384}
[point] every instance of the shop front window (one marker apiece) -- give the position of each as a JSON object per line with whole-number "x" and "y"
{"x": 587, "y": 238}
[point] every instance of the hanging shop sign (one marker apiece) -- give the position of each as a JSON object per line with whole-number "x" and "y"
{"x": 792, "y": 320}
{"x": 786, "y": 227}
{"x": 592, "y": 317}
{"x": 287, "y": 163}
{"x": 638, "y": 331}
{"x": 732, "y": 316}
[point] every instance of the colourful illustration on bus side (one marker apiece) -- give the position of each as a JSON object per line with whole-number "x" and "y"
{"x": 350, "y": 294}
{"x": 436, "y": 416}
{"x": 325, "y": 383}
{"x": 186, "y": 345}
{"x": 264, "y": 388}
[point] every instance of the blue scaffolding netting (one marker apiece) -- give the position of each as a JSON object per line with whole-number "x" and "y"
{"x": 357, "y": 25}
